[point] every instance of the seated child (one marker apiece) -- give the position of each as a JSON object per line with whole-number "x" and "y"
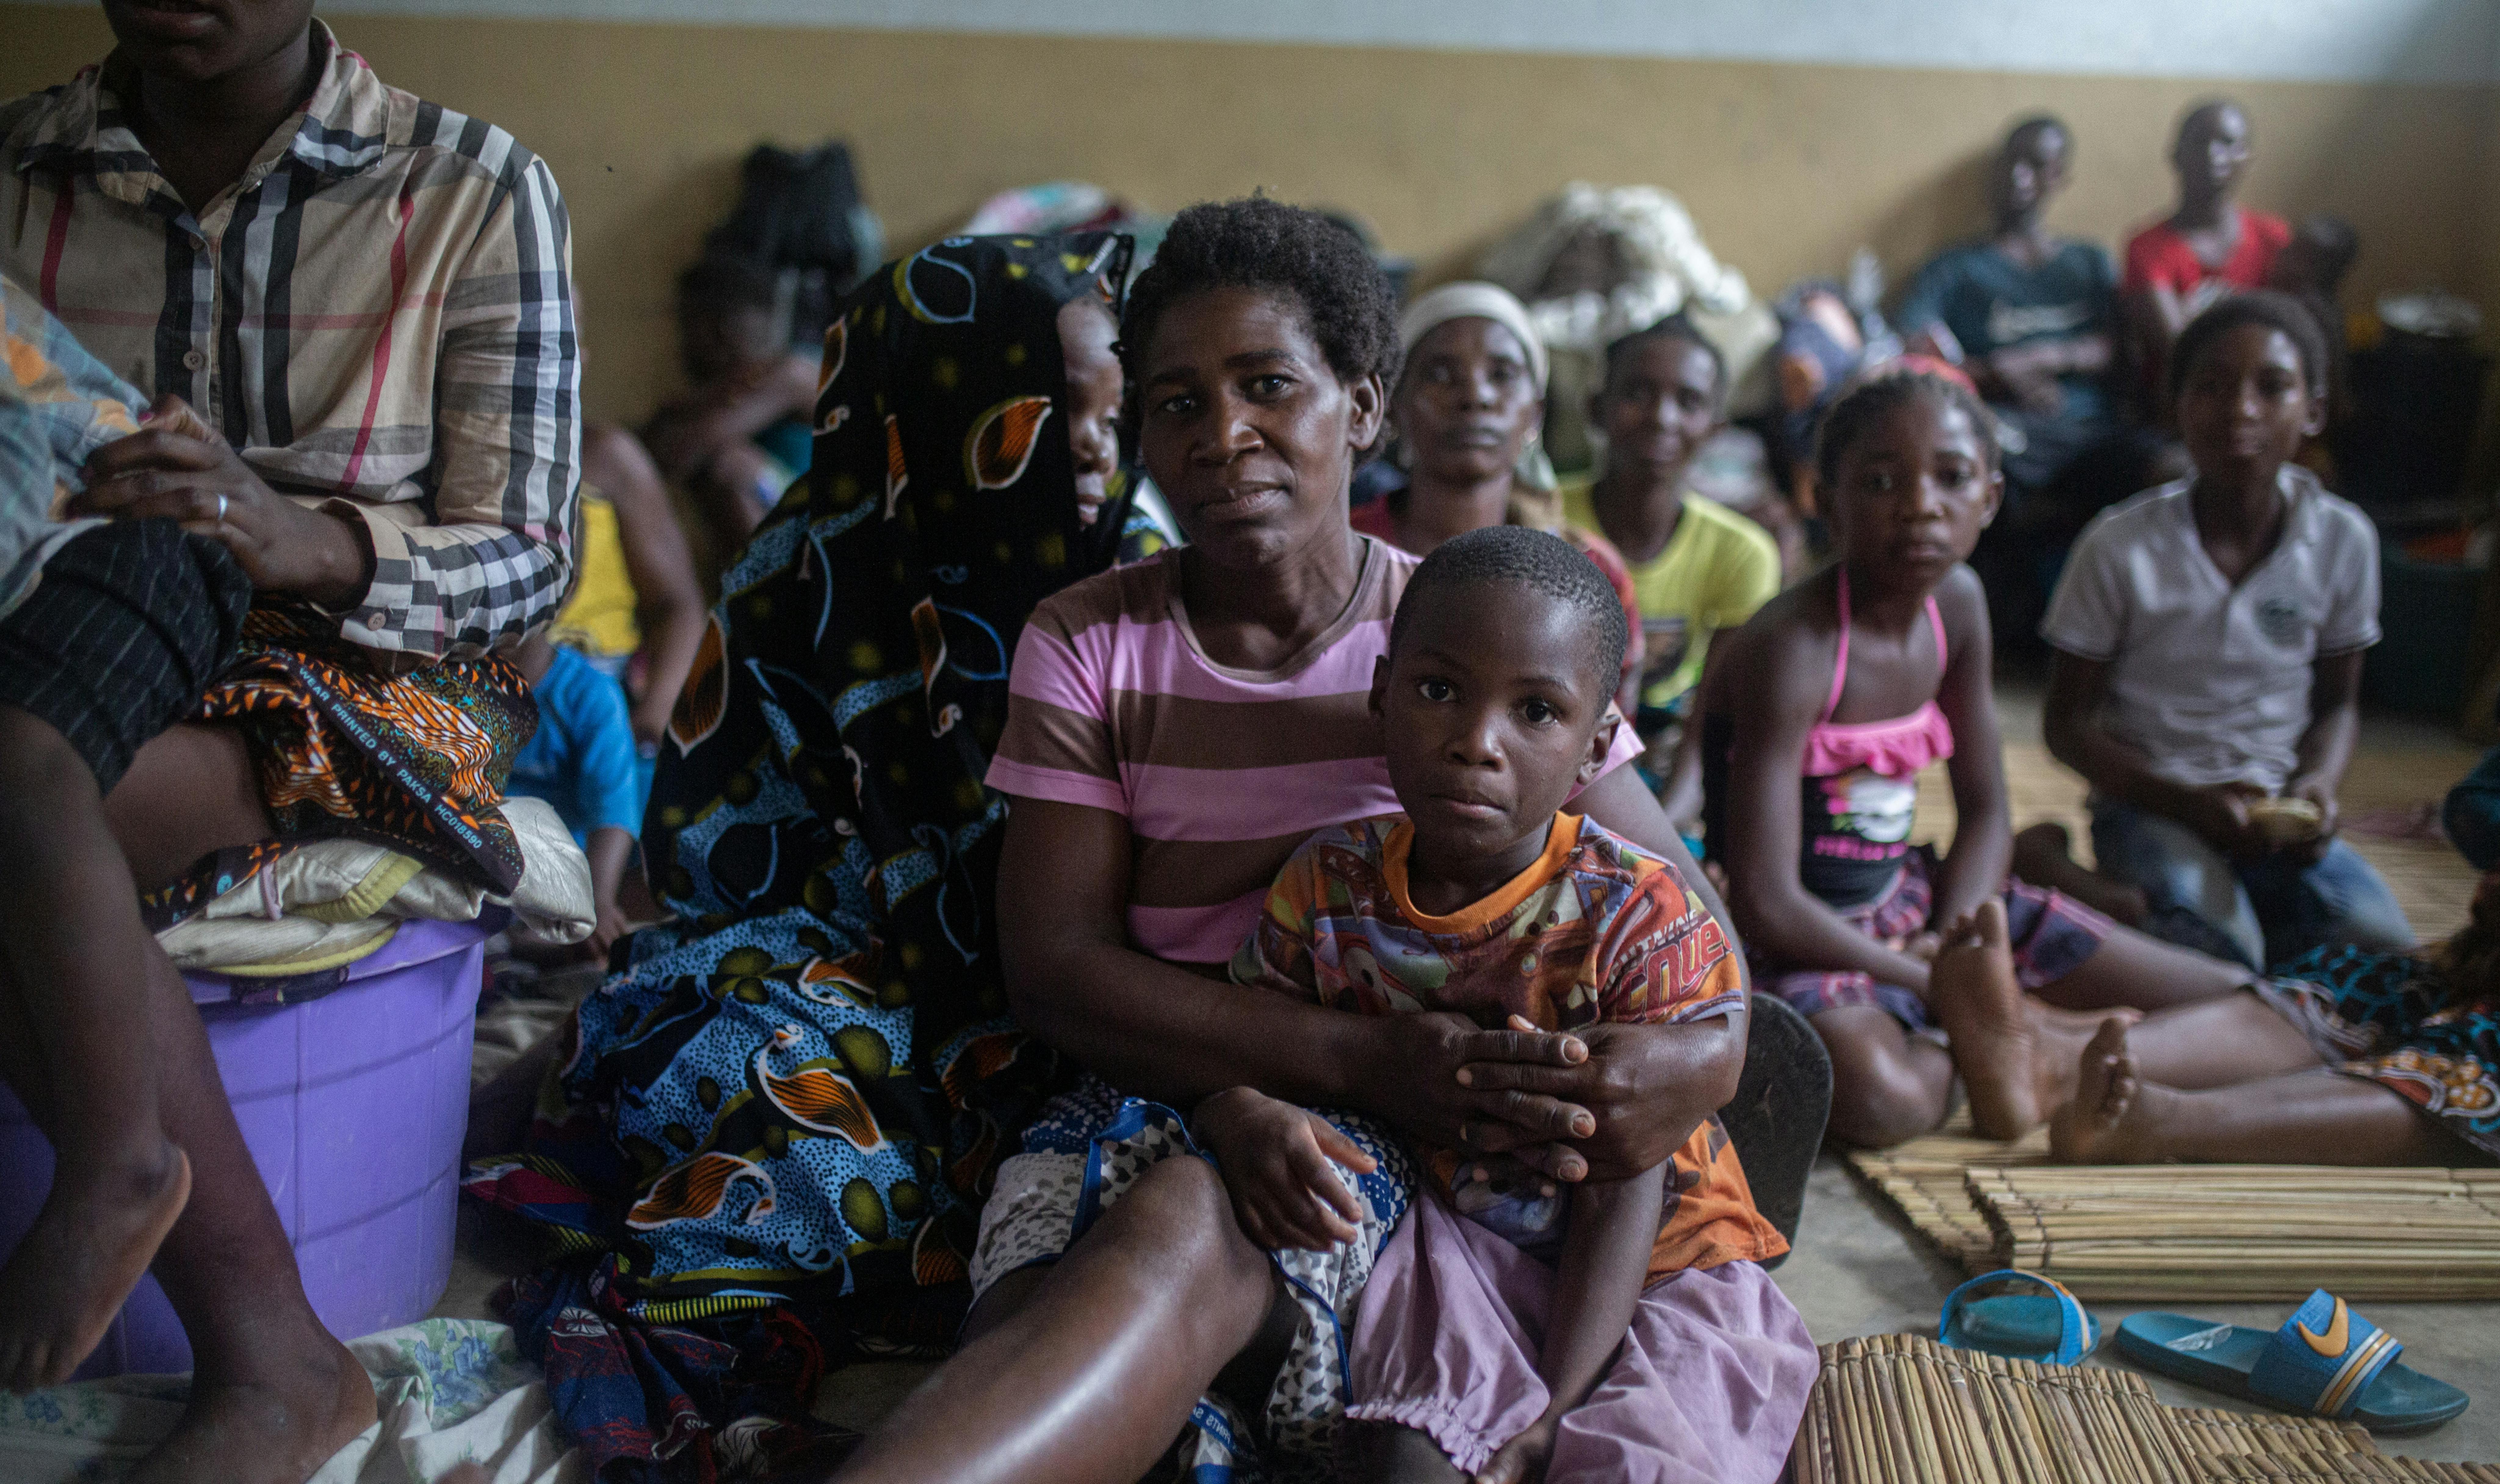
{"x": 2208, "y": 248}
{"x": 1486, "y": 900}
{"x": 637, "y": 610}
{"x": 583, "y": 761}
{"x": 1818, "y": 718}
{"x": 2209, "y": 637}
{"x": 1696, "y": 567}
{"x": 740, "y": 435}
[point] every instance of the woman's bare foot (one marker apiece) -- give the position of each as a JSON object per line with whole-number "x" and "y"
{"x": 2044, "y": 856}
{"x": 2113, "y": 1116}
{"x": 1988, "y": 1028}
{"x": 99, "y": 1228}
{"x": 276, "y": 1418}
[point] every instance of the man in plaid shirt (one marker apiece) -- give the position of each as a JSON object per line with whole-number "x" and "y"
{"x": 352, "y": 313}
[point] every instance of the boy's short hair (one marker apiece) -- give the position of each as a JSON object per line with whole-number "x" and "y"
{"x": 2257, "y": 306}
{"x": 1532, "y": 558}
{"x": 1675, "y": 327}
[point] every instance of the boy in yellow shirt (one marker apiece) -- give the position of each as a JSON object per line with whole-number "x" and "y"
{"x": 1697, "y": 565}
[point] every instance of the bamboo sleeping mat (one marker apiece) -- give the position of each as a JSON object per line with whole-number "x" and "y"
{"x": 2213, "y": 1232}
{"x": 1902, "y": 1410}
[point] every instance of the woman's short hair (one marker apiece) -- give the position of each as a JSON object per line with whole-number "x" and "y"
{"x": 2257, "y": 306}
{"x": 1271, "y": 248}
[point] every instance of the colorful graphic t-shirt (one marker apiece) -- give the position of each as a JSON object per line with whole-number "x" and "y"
{"x": 1595, "y": 931}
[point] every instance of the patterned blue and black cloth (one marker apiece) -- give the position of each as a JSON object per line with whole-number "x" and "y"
{"x": 2393, "y": 1018}
{"x": 797, "y": 1095}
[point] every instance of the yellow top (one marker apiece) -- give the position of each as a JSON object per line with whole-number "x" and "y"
{"x": 599, "y": 619}
{"x": 1713, "y": 572}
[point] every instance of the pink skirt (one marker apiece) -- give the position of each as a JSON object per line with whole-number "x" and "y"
{"x": 1708, "y": 1389}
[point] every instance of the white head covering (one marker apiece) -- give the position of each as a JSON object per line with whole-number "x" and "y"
{"x": 1475, "y": 301}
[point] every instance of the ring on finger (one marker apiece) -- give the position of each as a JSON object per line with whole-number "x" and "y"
{"x": 221, "y": 509}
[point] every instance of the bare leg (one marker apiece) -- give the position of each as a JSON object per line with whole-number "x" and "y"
{"x": 190, "y": 791}
{"x": 2214, "y": 1043}
{"x": 1886, "y": 1086}
{"x": 2132, "y": 970}
{"x": 273, "y": 1395}
{"x": 1094, "y": 1375}
{"x": 2312, "y": 1117}
{"x": 76, "y": 1027}
{"x": 1385, "y": 1452}
{"x": 2044, "y": 856}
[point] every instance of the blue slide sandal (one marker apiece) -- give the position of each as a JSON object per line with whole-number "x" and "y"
{"x": 2326, "y": 1361}
{"x": 2050, "y": 1326}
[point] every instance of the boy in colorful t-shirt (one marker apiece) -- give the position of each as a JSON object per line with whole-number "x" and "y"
{"x": 1484, "y": 900}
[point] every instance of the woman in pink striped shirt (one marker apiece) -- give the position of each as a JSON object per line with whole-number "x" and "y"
{"x": 1177, "y": 727}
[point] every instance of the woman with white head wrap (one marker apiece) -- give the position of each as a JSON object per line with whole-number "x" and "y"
{"x": 1466, "y": 409}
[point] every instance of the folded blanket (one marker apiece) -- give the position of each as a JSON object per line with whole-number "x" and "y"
{"x": 334, "y": 901}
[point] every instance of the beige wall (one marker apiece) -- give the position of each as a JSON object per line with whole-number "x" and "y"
{"x": 1785, "y": 168}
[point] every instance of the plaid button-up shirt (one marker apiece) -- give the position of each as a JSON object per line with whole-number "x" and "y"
{"x": 378, "y": 314}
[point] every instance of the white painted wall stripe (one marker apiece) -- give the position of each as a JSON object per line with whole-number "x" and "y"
{"x": 2412, "y": 40}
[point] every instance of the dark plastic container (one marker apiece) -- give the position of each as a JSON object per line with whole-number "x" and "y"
{"x": 2415, "y": 404}
{"x": 2426, "y": 611}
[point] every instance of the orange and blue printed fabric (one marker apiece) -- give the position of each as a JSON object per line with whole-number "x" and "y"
{"x": 1597, "y": 932}
{"x": 57, "y": 406}
{"x": 2399, "y": 1021}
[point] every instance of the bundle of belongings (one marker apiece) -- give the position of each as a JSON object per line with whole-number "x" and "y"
{"x": 297, "y": 921}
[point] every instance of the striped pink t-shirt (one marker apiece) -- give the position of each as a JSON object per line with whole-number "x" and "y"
{"x": 1220, "y": 772}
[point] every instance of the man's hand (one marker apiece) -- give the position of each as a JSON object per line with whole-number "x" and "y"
{"x": 1275, "y": 1161}
{"x": 2221, "y": 815}
{"x": 179, "y": 468}
{"x": 2321, "y": 792}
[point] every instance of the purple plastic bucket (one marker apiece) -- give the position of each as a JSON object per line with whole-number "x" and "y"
{"x": 354, "y": 1105}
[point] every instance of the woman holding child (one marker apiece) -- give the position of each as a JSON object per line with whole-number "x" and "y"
{"x": 1115, "y": 1284}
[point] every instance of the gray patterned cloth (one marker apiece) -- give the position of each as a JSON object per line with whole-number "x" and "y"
{"x": 1090, "y": 1145}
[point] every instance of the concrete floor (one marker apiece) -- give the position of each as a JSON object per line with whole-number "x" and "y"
{"x": 1857, "y": 1270}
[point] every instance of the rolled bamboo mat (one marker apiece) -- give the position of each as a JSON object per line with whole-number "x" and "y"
{"x": 2224, "y": 1232}
{"x": 2213, "y": 1232}
{"x": 1902, "y": 1410}
{"x": 1927, "y": 1182}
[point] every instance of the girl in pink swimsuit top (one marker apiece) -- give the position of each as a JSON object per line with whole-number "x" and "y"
{"x": 1861, "y": 782}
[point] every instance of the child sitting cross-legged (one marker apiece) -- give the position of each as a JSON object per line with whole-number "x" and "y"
{"x": 1486, "y": 900}
{"x": 1817, "y": 718}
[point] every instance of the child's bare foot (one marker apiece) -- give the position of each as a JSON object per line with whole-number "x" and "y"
{"x": 1988, "y": 1026}
{"x": 99, "y": 1228}
{"x": 1521, "y": 1459}
{"x": 275, "y": 1420}
{"x": 2044, "y": 856}
{"x": 2111, "y": 1116}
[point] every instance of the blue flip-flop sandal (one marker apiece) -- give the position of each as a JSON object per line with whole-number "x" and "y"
{"x": 2326, "y": 1361}
{"x": 2050, "y": 1326}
